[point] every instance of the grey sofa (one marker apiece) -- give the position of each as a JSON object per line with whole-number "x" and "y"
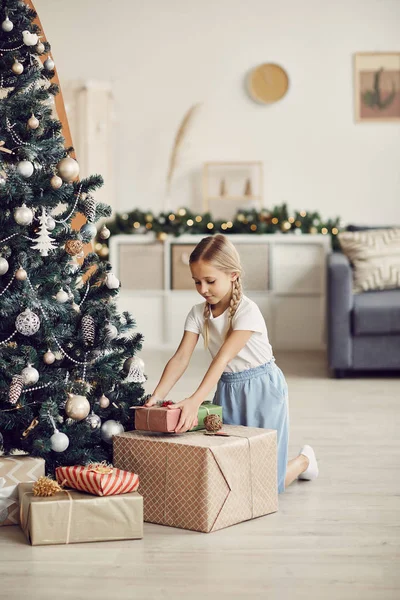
{"x": 363, "y": 329}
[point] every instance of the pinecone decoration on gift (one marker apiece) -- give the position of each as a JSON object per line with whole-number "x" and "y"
{"x": 16, "y": 387}
{"x": 88, "y": 329}
{"x": 45, "y": 486}
{"x": 213, "y": 423}
{"x": 90, "y": 209}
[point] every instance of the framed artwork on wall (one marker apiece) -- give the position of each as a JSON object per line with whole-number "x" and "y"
{"x": 377, "y": 86}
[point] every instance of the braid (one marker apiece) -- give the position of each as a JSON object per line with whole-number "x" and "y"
{"x": 237, "y": 294}
{"x": 206, "y": 314}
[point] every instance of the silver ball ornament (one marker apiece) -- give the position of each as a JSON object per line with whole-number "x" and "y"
{"x": 94, "y": 421}
{"x": 7, "y": 25}
{"x": 109, "y": 429}
{"x": 49, "y": 357}
{"x": 49, "y": 64}
{"x": 56, "y": 182}
{"x": 40, "y": 48}
{"x": 62, "y": 296}
{"x": 104, "y": 402}
{"x": 21, "y": 274}
{"x": 59, "y": 441}
{"x": 111, "y": 332}
{"x": 68, "y": 169}
{"x": 104, "y": 233}
{"x": 77, "y": 407}
{"x": 25, "y": 168}
{"x": 27, "y": 322}
{"x": 17, "y": 68}
{"x": 4, "y": 266}
{"x": 50, "y": 223}
{"x": 30, "y": 375}
{"x": 23, "y": 215}
{"x": 88, "y": 231}
{"x": 33, "y": 122}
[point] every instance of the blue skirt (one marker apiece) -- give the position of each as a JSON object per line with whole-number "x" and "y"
{"x": 258, "y": 398}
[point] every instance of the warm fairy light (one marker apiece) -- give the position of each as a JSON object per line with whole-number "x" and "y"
{"x": 171, "y": 217}
{"x": 335, "y": 231}
{"x": 136, "y": 225}
{"x": 181, "y": 212}
{"x": 149, "y": 226}
{"x": 253, "y": 227}
{"x": 298, "y": 223}
{"x": 149, "y": 218}
{"x": 98, "y": 246}
{"x": 286, "y": 225}
{"x": 199, "y": 219}
{"x": 210, "y": 225}
{"x": 229, "y": 224}
{"x": 303, "y": 213}
{"x": 190, "y": 222}
{"x": 324, "y": 230}
{"x": 275, "y": 220}
{"x": 224, "y": 226}
{"x": 125, "y": 216}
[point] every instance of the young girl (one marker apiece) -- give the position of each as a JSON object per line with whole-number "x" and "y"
{"x": 251, "y": 388}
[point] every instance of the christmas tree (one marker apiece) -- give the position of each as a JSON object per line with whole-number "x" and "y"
{"x": 69, "y": 370}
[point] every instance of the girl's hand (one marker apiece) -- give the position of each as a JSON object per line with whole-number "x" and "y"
{"x": 189, "y": 410}
{"x": 152, "y": 401}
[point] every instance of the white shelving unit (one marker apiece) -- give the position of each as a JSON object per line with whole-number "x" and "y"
{"x": 286, "y": 277}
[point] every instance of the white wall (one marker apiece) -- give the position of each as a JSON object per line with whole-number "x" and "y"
{"x": 162, "y": 56}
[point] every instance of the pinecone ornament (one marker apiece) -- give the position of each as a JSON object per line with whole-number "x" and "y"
{"x": 88, "y": 329}
{"x": 213, "y": 423}
{"x": 16, "y": 387}
{"x": 90, "y": 209}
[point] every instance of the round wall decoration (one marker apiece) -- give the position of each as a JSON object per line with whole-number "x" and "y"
{"x": 268, "y": 83}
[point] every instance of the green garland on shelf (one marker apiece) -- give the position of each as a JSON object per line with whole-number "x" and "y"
{"x": 184, "y": 221}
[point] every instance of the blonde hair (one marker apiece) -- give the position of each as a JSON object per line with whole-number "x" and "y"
{"x": 221, "y": 254}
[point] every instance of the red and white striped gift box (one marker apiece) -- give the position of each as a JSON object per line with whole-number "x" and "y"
{"x": 98, "y": 479}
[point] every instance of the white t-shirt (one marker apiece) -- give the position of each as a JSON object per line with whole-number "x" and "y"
{"x": 247, "y": 317}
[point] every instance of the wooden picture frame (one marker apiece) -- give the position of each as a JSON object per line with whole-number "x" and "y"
{"x": 377, "y": 87}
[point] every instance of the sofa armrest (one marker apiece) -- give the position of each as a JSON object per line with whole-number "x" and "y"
{"x": 340, "y": 304}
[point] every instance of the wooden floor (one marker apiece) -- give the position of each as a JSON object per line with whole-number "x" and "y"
{"x": 336, "y": 538}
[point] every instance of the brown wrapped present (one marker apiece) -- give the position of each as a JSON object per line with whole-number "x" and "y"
{"x": 14, "y": 470}
{"x": 69, "y": 517}
{"x": 202, "y": 482}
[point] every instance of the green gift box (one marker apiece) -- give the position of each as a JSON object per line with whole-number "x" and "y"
{"x": 207, "y": 408}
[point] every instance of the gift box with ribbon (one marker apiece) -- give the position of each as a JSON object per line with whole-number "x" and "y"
{"x": 99, "y": 479}
{"x": 202, "y": 482}
{"x": 14, "y": 470}
{"x": 161, "y": 419}
{"x": 70, "y": 517}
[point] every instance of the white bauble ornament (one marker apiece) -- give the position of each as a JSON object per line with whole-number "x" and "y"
{"x": 7, "y": 25}
{"x": 49, "y": 64}
{"x": 112, "y": 282}
{"x": 104, "y": 233}
{"x": 68, "y": 169}
{"x": 111, "y": 332}
{"x": 109, "y": 429}
{"x": 17, "y": 68}
{"x": 30, "y": 39}
{"x": 77, "y": 407}
{"x": 49, "y": 357}
{"x": 88, "y": 231}
{"x": 76, "y": 307}
{"x": 23, "y": 215}
{"x": 94, "y": 421}
{"x": 50, "y": 223}
{"x": 25, "y": 168}
{"x": 30, "y": 375}
{"x": 104, "y": 402}
{"x": 59, "y": 441}
{"x": 33, "y": 122}
{"x": 21, "y": 274}
{"x": 134, "y": 367}
{"x": 4, "y": 266}
{"x": 56, "y": 182}
{"x": 40, "y": 48}
{"x": 27, "y": 322}
{"x": 62, "y": 296}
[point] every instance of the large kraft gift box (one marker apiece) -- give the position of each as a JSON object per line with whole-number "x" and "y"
{"x": 202, "y": 482}
{"x": 70, "y": 517}
{"x": 14, "y": 470}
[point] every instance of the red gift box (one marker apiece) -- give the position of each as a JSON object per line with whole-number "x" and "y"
{"x": 98, "y": 479}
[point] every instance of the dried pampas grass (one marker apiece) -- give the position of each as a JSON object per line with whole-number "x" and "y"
{"x": 179, "y": 137}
